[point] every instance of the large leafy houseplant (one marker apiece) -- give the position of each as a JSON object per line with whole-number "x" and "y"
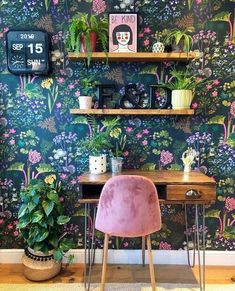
{"x": 41, "y": 218}
{"x": 81, "y": 28}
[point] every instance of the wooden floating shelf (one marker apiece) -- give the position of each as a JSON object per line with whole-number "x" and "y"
{"x": 141, "y": 57}
{"x": 133, "y": 111}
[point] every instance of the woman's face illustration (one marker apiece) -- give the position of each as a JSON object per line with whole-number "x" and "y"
{"x": 123, "y": 37}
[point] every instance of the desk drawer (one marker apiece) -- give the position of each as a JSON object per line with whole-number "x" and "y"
{"x": 203, "y": 192}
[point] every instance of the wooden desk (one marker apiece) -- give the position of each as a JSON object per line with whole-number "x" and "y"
{"x": 172, "y": 186}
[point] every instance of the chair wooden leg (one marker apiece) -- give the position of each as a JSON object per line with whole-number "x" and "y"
{"x": 143, "y": 251}
{"x": 105, "y": 255}
{"x": 151, "y": 266}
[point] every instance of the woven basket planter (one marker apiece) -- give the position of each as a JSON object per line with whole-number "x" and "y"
{"x": 39, "y": 267}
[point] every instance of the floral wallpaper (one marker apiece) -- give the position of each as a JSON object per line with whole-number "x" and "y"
{"x": 39, "y": 136}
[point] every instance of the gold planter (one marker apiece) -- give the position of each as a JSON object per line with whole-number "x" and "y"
{"x": 181, "y": 99}
{"x": 38, "y": 266}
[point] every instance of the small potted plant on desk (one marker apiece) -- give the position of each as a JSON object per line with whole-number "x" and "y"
{"x": 98, "y": 142}
{"x": 183, "y": 88}
{"x": 88, "y": 85}
{"x": 117, "y": 154}
{"x": 85, "y": 31}
{"x": 41, "y": 220}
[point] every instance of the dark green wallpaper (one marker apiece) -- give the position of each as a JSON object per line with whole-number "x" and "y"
{"x": 39, "y": 136}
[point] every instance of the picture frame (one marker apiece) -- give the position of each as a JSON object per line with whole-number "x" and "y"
{"x": 106, "y": 96}
{"x": 123, "y": 32}
{"x": 160, "y": 97}
{"x": 135, "y": 97}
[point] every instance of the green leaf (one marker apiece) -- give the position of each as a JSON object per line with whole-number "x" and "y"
{"x": 42, "y": 235}
{"x": 44, "y": 168}
{"x": 222, "y": 16}
{"x": 58, "y": 255}
{"x": 53, "y": 240}
{"x": 23, "y": 209}
{"x": 53, "y": 196}
{"x": 213, "y": 213}
{"x": 66, "y": 244}
{"x": 37, "y": 215}
{"x": 50, "y": 220}
{"x": 62, "y": 219}
{"x": 16, "y": 167}
{"x": 36, "y": 199}
{"x": 47, "y": 206}
{"x": 218, "y": 119}
{"x": 23, "y": 222}
{"x": 31, "y": 206}
{"x": 70, "y": 259}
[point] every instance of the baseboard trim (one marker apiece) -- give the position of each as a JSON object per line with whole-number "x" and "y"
{"x": 168, "y": 257}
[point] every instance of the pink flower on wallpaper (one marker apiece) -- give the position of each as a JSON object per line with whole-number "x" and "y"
{"x": 145, "y": 131}
{"x": 232, "y": 109}
{"x": 60, "y": 80}
{"x": 55, "y": 2}
{"x": 34, "y": 157}
{"x": 230, "y": 204}
{"x": 71, "y": 86}
{"x": 144, "y": 142}
{"x": 139, "y": 135}
{"x": 99, "y": 6}
{"x": 146, "y": 42}
{"x": 166, "y": 157}
{"x": 214, "y": 93}
{"x": 208, "y": 86}
{"x": 216, "y": 82}
{"x": 15, "y": 233}
{"x": 194, "y": 105}
{"x": 12, "y": 130}
{"x": 126, "y": 154}
{"x": 164, "y": 246}
{"x": 12, "y": 142}
{"x": 198, "y": 2}
{"x": 147, "y": 30}
{"x": 128, "y": 129}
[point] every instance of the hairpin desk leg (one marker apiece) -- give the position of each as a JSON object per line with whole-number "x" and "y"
{"x": 196, "y": 243}
{"x": 85, "y": 247}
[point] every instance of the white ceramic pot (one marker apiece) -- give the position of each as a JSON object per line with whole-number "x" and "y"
{"x": 158, "y": 47}
{"x": 181, "y": 99}
{"x": 85, "y": 102}
{"x": 97, "y": 164}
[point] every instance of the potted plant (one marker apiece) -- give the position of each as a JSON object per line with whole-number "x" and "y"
{"x": 117, "y": 154}
{"x": 180, "y": 40}
{"x": 88, "y": 85}
{"x": 183, "y": 88}
{"x": 98, "y": 143}
{"x": 41, "y": 220}
{"x": 84, "y": 31}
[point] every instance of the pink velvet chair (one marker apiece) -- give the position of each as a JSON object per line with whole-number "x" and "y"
{"x": 128, "y": 207}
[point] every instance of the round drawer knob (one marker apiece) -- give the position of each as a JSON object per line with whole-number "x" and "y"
{"x": 192, "y": 193}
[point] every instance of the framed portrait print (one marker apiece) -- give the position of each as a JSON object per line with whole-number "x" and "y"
{"x": 160, "y": 97}
{"x": 123, "y": 32}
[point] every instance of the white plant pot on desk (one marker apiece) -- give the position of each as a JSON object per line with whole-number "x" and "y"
{"x": 181, "y": 99}
{"x": 97, "y": 164}
{"x": 85, "y": 102}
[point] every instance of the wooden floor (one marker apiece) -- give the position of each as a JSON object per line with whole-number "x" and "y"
{"x": 10, "y": 273}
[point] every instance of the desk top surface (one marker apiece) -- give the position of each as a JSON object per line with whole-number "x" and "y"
{"x": 161, "y": 177}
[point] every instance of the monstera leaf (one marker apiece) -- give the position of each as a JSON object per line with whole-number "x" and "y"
{"x": 16, "y": 167}
{"x": 213, "y": 213}
{"x": 222, "y": 16}
{"x": 218, "y": 119}
{"x": 44, "y": 168}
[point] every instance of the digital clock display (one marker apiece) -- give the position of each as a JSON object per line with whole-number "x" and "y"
{"x": 28, "y": 52}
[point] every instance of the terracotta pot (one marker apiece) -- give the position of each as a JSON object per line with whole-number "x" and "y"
{"x": 93, "y": 39}
{"x": 38, "y": 266}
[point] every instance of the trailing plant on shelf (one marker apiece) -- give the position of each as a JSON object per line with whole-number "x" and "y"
{"x": 181, "y": 39}
{"x": 84, "y": 31}
{"x": 41, "y": 218}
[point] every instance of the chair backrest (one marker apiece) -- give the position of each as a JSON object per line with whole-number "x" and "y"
{"x": 128, "y": 207}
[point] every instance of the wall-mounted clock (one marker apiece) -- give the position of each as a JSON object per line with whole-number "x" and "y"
{"x": 28, "y": 52}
